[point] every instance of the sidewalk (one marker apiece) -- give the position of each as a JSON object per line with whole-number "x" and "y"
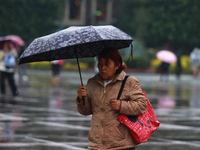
{"x": 46, "y": 117}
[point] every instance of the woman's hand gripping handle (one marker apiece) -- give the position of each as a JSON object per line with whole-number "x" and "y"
{"x": 82, "y": 93}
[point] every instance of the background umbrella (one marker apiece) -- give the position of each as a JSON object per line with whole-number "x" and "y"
{"x": 16, "y": 40}
{"x": 166, "y": 56}
{"x": 75, "y": 42}
{"x": 1, "y": 42}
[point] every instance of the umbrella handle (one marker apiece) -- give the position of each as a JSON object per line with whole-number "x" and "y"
{"x": 83, "y": 100}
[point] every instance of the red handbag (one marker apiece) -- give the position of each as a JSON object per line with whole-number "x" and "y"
{"x": 142, "y": 126}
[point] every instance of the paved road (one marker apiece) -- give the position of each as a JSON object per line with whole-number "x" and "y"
{"x": 44, "y": 117}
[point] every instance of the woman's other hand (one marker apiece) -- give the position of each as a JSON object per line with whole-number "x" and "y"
{"x": 115, "y": 104}
{"x": 82, "y": 92}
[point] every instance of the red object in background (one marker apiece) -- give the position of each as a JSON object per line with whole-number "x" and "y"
{"x": 141, "y": 127}
{"x": 60, "y": 62}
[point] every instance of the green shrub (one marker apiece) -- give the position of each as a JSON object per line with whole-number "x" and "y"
{"x": 40, "y": 65}
{"x": 142, "y": 62}
{"x": 69, "y": 66}
{"x": 89, "y": 61}
{"x": 185, "y": 62}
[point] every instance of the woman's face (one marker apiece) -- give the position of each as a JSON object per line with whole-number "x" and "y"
{"x": 5, "y": 46}
{"x": 107, "y": 69}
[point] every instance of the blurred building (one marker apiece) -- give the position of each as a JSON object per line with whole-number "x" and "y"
{"x": 90, "y": 12}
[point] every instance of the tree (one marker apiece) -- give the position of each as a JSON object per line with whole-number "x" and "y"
{"x": 156, "y": 22}
{"x": 29, "y": 18}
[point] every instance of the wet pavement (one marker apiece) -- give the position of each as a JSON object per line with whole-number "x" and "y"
{"x": 44, "y": 117}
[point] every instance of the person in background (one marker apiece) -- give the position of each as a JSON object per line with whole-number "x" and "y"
{"x": 7, "y": 72}
{"x": 195, "y": 62}
{"x": 164, "y": 71}
{"x": 56, "y": 69}
{"x": 101, "y": 101}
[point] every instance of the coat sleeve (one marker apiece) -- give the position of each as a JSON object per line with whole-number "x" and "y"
{"x": 1, "y": 55}
{"x": 14, "y": 53}
{"x": 137, "y": 102}
{"x": 85, "y": 109}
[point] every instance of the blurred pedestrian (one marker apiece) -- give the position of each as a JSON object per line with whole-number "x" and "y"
{"x": 8, "y": 58}
{"x": 56, "y": 69}
{"x": 101, "y": 101}
{"x": 164, "y": 71}
{"x": 195, "y": 61}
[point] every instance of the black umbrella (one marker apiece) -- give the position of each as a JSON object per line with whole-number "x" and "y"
{"x": 75, "y": 42}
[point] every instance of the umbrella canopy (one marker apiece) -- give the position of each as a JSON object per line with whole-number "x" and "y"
{"x": 75, "y": 42}
{"x": 16, "y": 40}
{"x": 166, "y": 56}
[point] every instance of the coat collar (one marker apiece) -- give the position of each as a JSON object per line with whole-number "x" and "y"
{"x": 118, "y": 77}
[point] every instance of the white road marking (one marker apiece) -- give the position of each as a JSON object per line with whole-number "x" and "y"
{"x": 63, "y": 125}
{"x": 164, "y": 126}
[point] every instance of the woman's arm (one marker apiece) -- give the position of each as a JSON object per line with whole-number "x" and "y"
{"x": 14, "y": 53}
{"x": 137, "y": 103}
{"x": 83, "y": 109}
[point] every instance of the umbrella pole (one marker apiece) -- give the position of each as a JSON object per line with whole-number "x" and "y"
{"x": 79, "y": 70}
{"x": 80, "y": 74}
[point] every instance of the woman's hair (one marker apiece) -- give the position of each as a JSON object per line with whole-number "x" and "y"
{"x": 115, "y": 56}
{"x": 7, "y": 43}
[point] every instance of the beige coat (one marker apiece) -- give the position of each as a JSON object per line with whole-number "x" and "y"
{"x": 107, "y": 133}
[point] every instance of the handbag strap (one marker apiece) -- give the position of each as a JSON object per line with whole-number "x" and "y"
{"x": 122, "y": 87}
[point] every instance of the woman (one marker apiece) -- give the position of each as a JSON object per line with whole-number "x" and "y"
{"x": 56, "y": 69}
{"x": 101, "y": 101}
{"x": 7, "y": 72}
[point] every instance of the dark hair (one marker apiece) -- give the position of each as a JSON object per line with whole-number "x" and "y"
{"x": 8, "y": 44}
{"x": 115, "y": 56}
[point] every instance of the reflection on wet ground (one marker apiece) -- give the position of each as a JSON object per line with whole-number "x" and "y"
{"x": 44, "y": 117}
